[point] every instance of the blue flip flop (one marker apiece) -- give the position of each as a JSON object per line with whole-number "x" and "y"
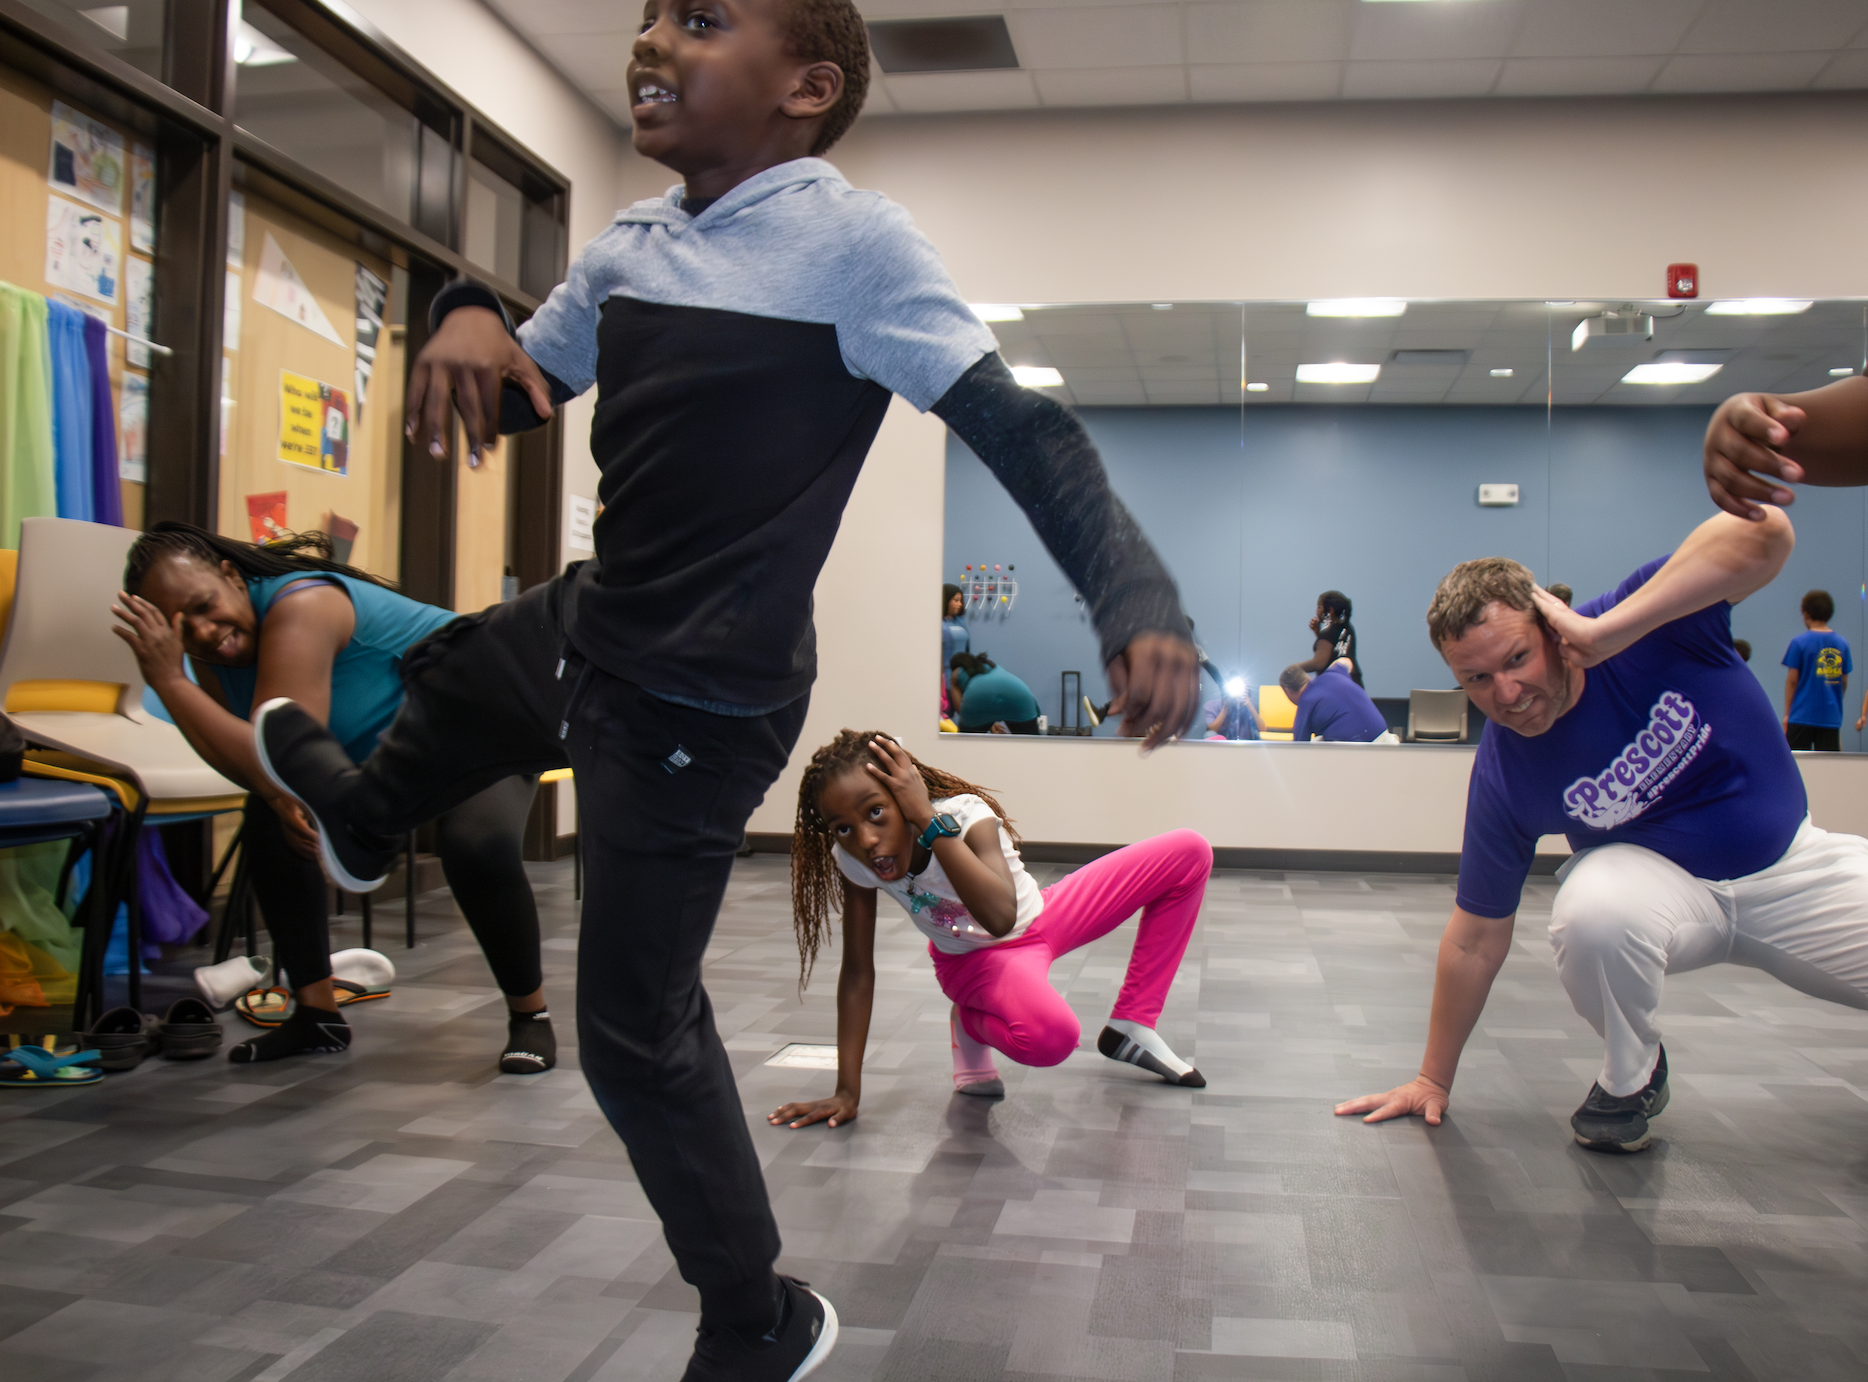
{"x": 34, "y": 1067}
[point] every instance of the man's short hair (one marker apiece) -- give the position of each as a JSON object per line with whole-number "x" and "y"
{"x": 1562, "y": 592}
{"x": 831, "y": 31}
{"x": 1744, "y": 648}
{"x": 1293, "y": 680}
{"x": 1820, "y": 606}
{"x": 1460, "y": 601}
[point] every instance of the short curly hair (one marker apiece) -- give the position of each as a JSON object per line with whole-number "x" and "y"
{"x": 831, "y": 31}
{"x": 1460, "y": 601}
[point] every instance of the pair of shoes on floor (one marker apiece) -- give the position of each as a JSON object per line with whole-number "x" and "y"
{"x": 794, "y": 1348}
{"x": 1624, "y": 1123}
{"x": 357, "y": 976}
{"x": 300, "y": 756}
{"x": 124, "y": 1037}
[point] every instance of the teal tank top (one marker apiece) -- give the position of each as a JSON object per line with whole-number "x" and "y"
{"x": 366, "y": 679}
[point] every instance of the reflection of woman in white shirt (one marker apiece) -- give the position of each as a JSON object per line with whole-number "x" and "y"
{"x": 873, "y": 819}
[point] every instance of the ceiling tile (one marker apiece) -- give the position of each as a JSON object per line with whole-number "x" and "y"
{"x": 1576, "y": 76}
{"x": 1265, "y": 81}
{"x": 1481, "y": 30}
{"x": 616, "y": 103}
{"x": 1779, "y": 26}
{"x": 1602, "y": 28}
{"x": 950, "y": 91}
{"x": 596, "y": 62}
{"x": 880, "y": 100}
{"x": 1261, "y": 31}
{"x": 1115, "y": 86}
{"x": 1748, "y": 72}
{"x": 1131, "y": 36}
{"x": 1848, "y": 71}
{"x": 1433, "y": 77}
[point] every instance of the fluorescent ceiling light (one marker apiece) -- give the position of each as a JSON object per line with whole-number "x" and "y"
{"x": 1842, "y": 372}
{"x": 1337, "y": 372}
{"x": 1163, "y": 306}
{"x": 1037, "y": 376}
{"x": 254, "y": 49}
{"x": 1357, "y": 307}
{"x": 1757, "y": 307}
{"x": 997, "y": 311}
{"x": 1256, "y": 386}
{"x": 1552, "y": 303}
{"x": 1670, "y": 372}
{"x": 1501, "y": 374}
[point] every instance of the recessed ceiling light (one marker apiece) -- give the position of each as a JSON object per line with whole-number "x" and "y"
{"x": 1337, "y": 372}
{"x": 1501, "y": 374}
{"x": 1256, "y": 387}
{"x": 1357, "y": 307}
{"x": 997, "y": 311}
{"x": 1757, "y": 307}
{"x": 1842, "y": 372}
{"x": 1037, "y": 376}
{"x": 1670, "y": 372}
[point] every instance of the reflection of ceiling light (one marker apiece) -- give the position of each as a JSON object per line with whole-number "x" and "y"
{"x": 1842, "y": 372}
{"x": 997, "y": 311}
{"x": 1164, "y": 307}
{"x": 1501, "y": 374}
{"x": 1037, "y": 376}
{"x": 1357, "y": 307}
{"x": 254, "y": 49}
{"x": 1337, "y": 372}
{"x": 1235, "y": 687}
{"x": 1670, "y": 372}
{"x": 1560, "y": 304}
{"x": 112, "y": 19}
{"x": 1757, "y": 307}
{"x": 1256, "y": 387}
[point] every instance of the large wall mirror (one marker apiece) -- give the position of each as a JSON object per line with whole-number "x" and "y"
{"x": 1277, "y": 450}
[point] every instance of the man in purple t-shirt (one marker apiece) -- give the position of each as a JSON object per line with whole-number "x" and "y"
{"x": 1636, "y": 731}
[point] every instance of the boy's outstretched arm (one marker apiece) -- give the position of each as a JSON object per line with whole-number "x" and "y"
{"x": 1047, "y": 463}
{"x": 1758, "y": 442}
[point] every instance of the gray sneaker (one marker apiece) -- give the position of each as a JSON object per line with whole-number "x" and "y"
{"x": 1606, "y": 1123}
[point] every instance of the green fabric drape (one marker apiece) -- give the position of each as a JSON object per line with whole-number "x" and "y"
{"x": 27, "y": 485}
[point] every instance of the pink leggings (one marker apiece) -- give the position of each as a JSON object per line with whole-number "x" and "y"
{"x": 1004, "y": 991}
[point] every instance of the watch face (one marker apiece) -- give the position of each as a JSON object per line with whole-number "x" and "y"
{"x": 948, "y": 823}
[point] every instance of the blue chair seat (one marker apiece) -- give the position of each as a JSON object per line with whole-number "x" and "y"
{"x": 33, "y": 810}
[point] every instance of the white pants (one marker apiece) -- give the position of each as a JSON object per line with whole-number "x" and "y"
{"x": 1625, "y": 917}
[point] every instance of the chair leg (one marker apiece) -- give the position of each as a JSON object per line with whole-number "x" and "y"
{"x": 577, "y": 867}
{"x": 128, "y": 891}
{"x": 408, "y": 890}
{"x": 367, "y": 921}
{"x": 95, "y": 915}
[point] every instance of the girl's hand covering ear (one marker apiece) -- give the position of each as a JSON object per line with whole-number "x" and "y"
{"x": 902, "y": 780}
{"x": 157, "y": 642}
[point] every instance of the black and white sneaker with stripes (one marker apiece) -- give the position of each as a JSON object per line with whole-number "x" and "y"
{"x": 1138, "y": 1045}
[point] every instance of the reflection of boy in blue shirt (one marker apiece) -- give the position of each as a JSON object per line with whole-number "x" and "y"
{"x": 1819, "y": 666}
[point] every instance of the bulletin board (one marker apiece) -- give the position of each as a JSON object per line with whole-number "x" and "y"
{"x": 25, "y": 194}
{"x": 306, "y": 442}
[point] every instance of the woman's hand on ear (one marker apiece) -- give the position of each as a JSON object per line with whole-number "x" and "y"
{"x": 157, "y": 642}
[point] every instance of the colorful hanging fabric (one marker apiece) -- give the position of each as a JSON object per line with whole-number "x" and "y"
{"x": 106, "y": 493}
{"x": 71, "y": 410}
{"x": 27, "y": 486}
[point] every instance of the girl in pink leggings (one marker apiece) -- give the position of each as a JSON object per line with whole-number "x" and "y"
{"x": 871, "y": 818}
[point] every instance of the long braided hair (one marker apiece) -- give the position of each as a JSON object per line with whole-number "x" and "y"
{"x": 816, "y": 882}
{"x": 283, "y": 556}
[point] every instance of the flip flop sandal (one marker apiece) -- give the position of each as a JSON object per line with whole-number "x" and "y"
{"x": 189, "y": 1031}
{"x": 348, "y": 993}
{"x": 34, "y": 1067}
{"x": 122, "y": 1037}
{"x": 265, "y": 1007}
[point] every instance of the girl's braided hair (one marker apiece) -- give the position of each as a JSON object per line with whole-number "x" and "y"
{"x": 283, "y": 556}
{"x": 816, "y": 882}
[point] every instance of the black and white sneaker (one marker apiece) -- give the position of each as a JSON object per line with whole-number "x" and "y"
{"x": 1143, "y": 1047}
{"x": 792, "y": 1349}
{"x": 301, "y": 757}
{"x": 1607, "y": 1123}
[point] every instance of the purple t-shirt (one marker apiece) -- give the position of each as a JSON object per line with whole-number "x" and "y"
{"x": 1673, "y": 746}
{"x": 1336, "y": 708}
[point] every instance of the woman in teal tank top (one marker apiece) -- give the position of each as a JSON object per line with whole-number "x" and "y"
{"x": 286, "y": 620}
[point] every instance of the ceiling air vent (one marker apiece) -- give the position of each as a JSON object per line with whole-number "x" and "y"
{"x": 1429, "y": 359}
{"x": 977, "y": 43}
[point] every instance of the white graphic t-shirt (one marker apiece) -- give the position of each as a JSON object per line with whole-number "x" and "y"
{"x": 929, "y": 899}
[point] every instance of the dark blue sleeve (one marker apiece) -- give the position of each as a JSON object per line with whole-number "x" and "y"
{"x": 1603, "y": 603}
{"x": 1495, "y": 857}
{"x": 1705, "y": 634}
{"x": 1300, "y": 727}
{"x": 516, "y": 413}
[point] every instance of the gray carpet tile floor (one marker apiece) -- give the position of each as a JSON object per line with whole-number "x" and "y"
{"x": 403, "y": 1213}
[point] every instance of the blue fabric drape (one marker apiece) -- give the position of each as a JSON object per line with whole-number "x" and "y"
{"x": 72, "y": 406}
{"x": 106, "y": 494}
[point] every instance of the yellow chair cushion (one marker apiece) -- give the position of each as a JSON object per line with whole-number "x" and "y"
{"x": 91, "y": 697}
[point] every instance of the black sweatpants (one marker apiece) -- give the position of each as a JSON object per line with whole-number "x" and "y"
{"x": 480, "y": 843}
{"x": 1823, "y": 738}
{"x": 664, "y": 793}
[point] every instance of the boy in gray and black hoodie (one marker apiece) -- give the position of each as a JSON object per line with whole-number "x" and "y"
{"x": 744, "y": 333}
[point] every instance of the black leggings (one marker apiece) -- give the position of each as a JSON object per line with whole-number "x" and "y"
{"x": 1016, "y": 726}
{"x": 479, "y": 842}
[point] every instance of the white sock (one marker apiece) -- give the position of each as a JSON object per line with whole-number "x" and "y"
{"x": 972, "y": 1060}
{"x": 1150, "y": 1041}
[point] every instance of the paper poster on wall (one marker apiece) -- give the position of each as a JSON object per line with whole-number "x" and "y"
{"x": 139, "y": 295}
{"x": 582, "y": 519}
{"x": 87, "y": 159}
{"x": 343, "y": 535}
{"x": 236, "y": 230}
{"x": 278, "y": 286}
{"x": 265, "y": 515}
{"x": 142, "y": 198}
{"x": 133, "y": 417}
{"x": 82, "y": 249}
{"x": 314, "y": 424}
{"x": 230, "y": 312}
{"x": 372, "y": 293}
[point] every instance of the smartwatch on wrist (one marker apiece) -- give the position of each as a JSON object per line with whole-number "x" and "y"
{"x": 942, "y": 824}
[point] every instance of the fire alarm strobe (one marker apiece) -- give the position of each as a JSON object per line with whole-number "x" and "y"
{"x": 1498, "y": 496}
{"x": 1683, "y": 280}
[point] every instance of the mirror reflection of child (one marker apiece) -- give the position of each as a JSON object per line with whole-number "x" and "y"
{"x": 872, "y": 818}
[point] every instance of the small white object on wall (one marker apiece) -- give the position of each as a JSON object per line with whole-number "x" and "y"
{"x": 1498, "y": 496}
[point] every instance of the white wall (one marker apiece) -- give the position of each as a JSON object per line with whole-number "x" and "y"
{"x": 1490, "y": 199}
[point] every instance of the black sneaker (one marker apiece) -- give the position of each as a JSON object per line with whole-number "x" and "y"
{"x": 794, "y": 1348}
{"x": 301, "y": 757}
{"x": 1606, "y": 1123}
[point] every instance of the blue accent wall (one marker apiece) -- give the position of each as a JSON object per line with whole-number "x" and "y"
{"x": 1255, "y": 518}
